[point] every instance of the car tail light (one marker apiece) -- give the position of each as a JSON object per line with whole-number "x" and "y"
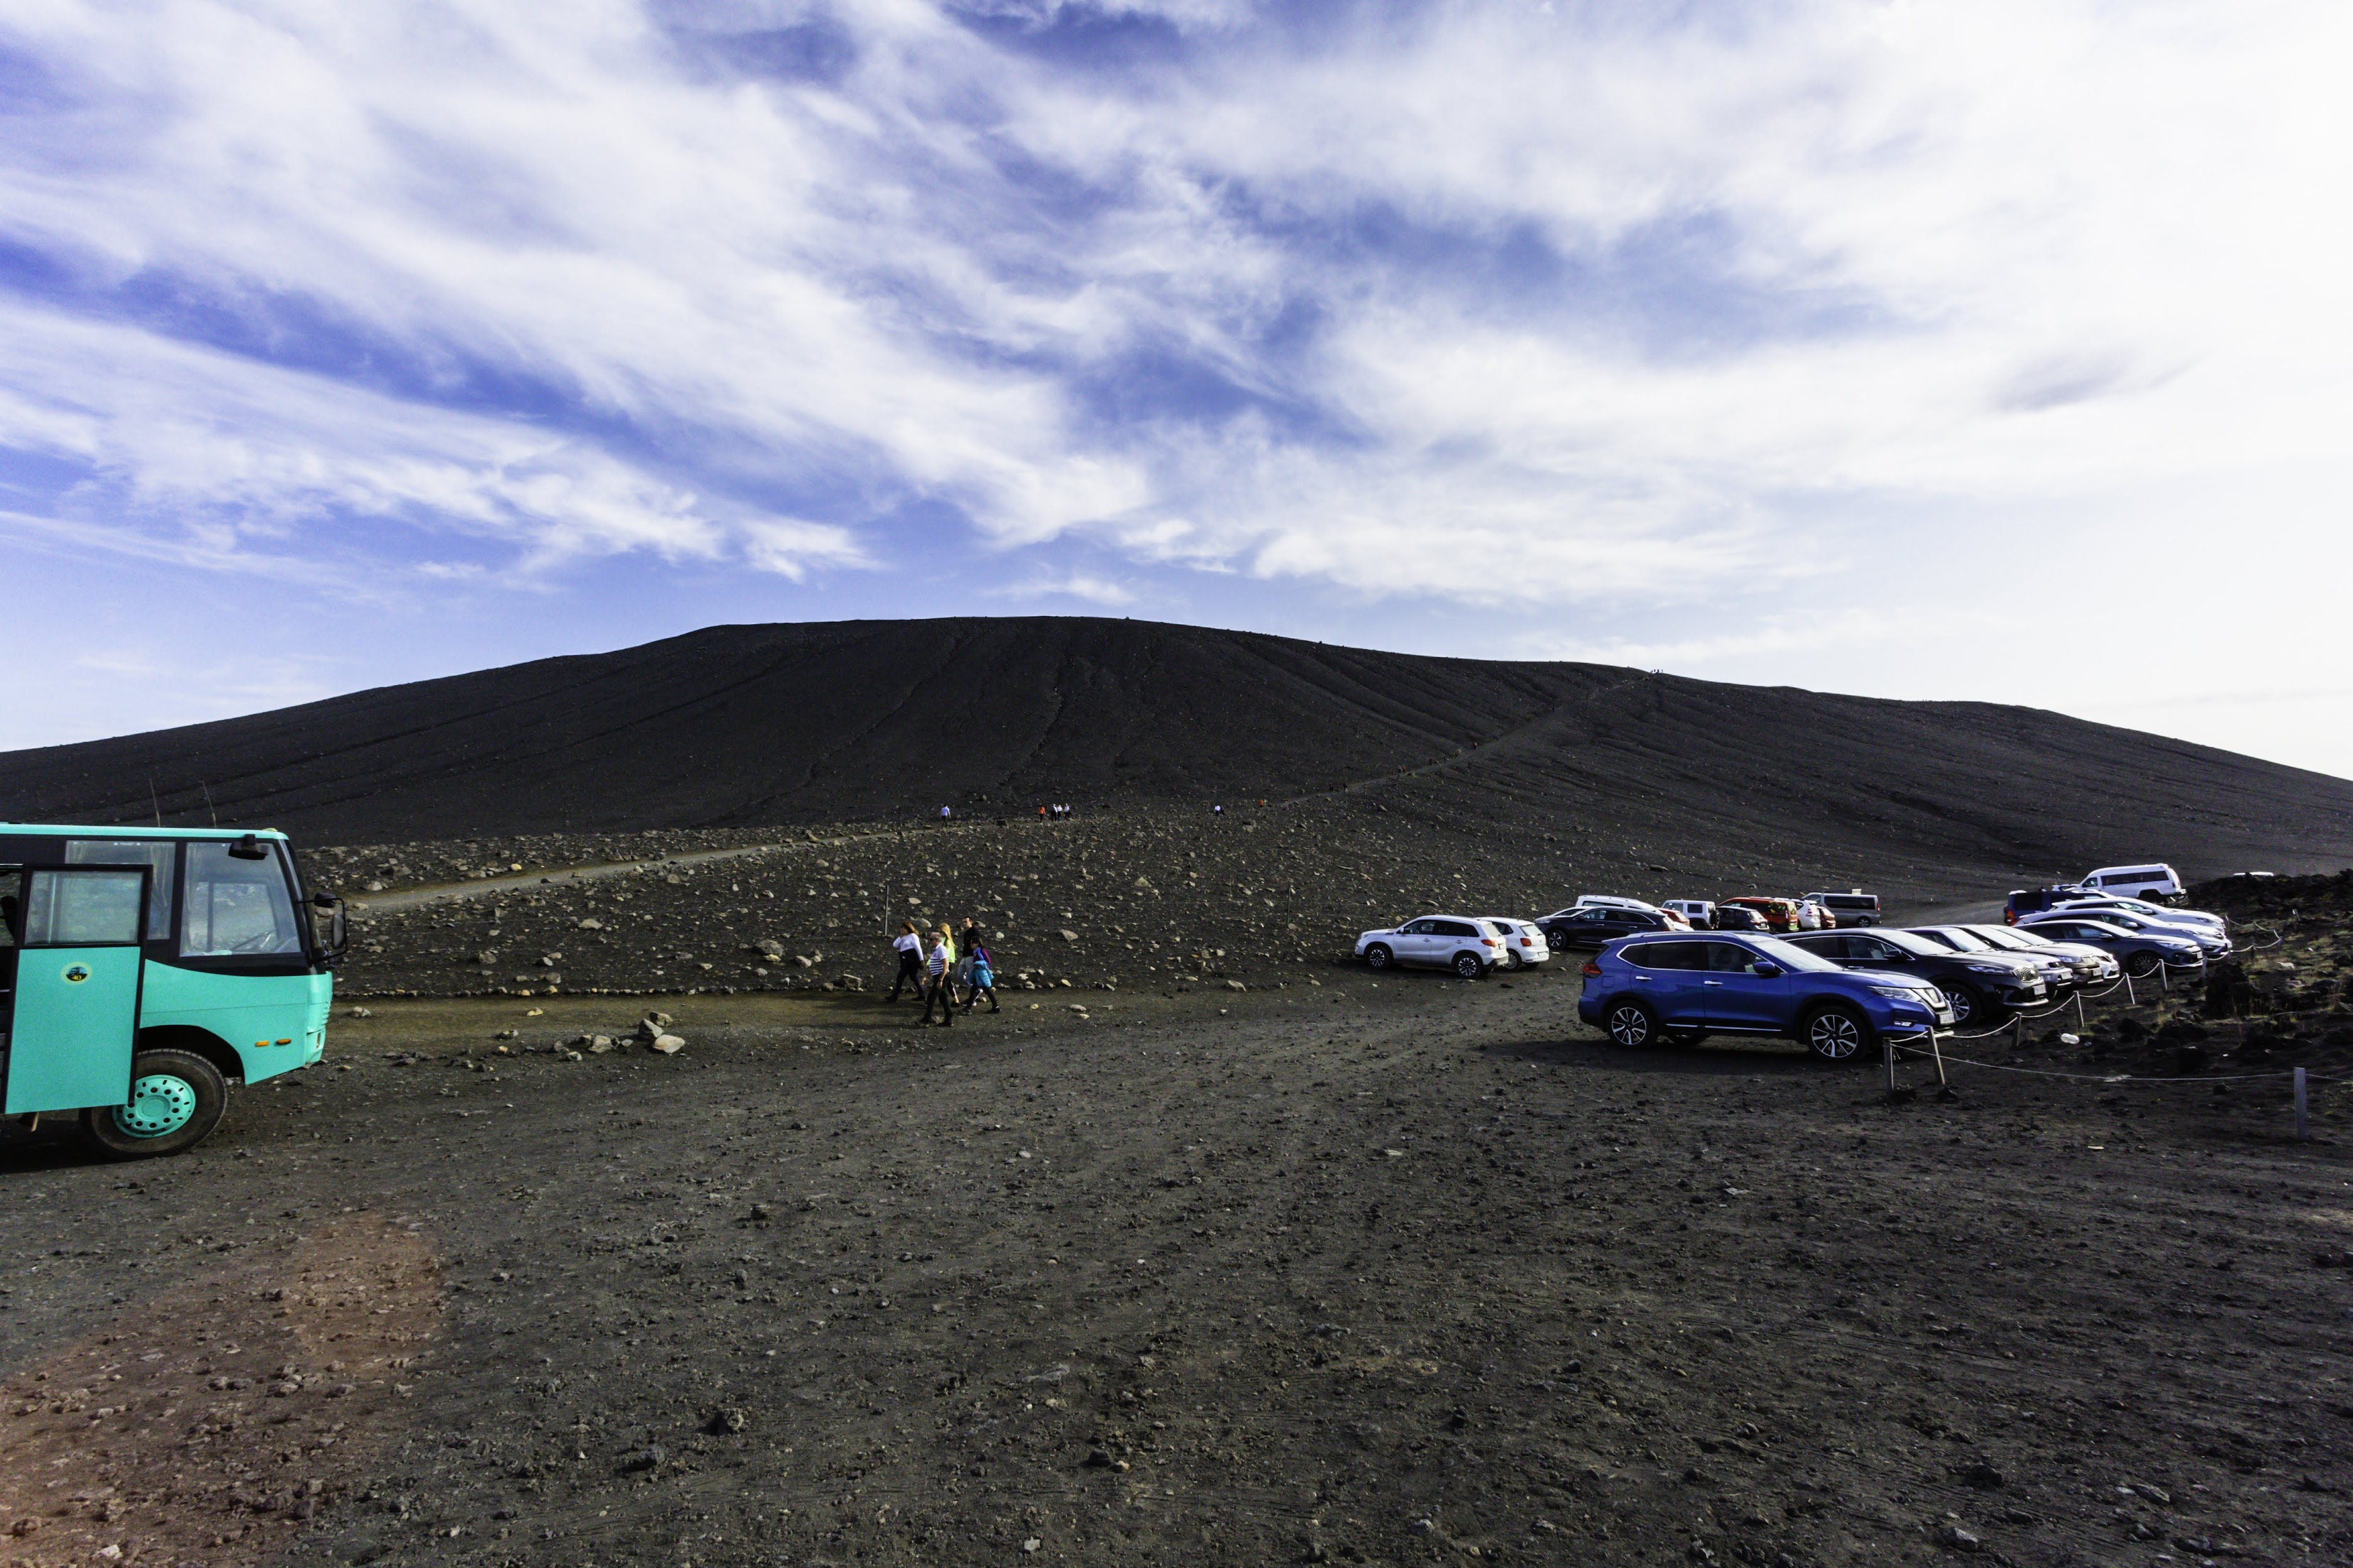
{"x": 1489, "y": 942}
{"x": 1592, "y": 970}
{"x": 1526, "y": 943}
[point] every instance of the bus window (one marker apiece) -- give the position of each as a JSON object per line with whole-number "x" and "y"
{"x": 82, "y": 911}
{"x": 155, "y": 853}
{"x": 235, "y": 906}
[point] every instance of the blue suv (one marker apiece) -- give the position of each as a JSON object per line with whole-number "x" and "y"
{"x": 1641, "y": 991}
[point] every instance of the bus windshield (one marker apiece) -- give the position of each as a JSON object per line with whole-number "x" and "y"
{"x": 236, "y": 908}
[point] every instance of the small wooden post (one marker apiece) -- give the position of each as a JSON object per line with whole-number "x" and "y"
{"x": 1887, "y": 1047}
{"x": 2081, "y": 1022}
{"x": 2131, "y": 998}
{"x": 1938, "y": 1052}
{"x": 2300, "y": 1133}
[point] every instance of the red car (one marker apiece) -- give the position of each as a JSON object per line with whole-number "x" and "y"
{"x": 1779, "y": 914}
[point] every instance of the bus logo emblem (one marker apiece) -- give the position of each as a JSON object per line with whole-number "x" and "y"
{"x": 76, "y": 974}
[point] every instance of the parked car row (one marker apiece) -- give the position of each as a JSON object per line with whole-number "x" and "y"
{"x": 2058, "y": 940}
{"x": 1597, "y": 917}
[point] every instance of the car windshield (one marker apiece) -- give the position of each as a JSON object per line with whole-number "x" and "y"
{"x": 2008, "y": 939}
{"x": 1963, "y": 939}
{"x": 1788, "y": 955}
{"x": 1918, "y": 946}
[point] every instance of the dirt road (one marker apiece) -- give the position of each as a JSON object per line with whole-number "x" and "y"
{"x": 1361, "y": 1272}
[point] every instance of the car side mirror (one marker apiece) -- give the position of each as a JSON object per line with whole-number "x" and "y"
{"x": 1764, "y": 967}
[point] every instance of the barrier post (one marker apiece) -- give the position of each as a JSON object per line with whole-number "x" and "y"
{"x": 2164, "y": 978}
{"x": 2081, "y": 1022}
{"x": 2132, "y": 998}
{"x": 2017, "y": 1032}
{"x": 2300, "y": 1133}
{"x": 1944, "y": 1084}
{"x": 1887, "y": 1046}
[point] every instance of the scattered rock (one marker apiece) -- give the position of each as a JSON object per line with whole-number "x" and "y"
{"x": 1981, "y": 1476}
{"x": 725, "y": 1422}
{"x": 1954, "y": 1538}
{"x": 1236, "y": 986}
{"x": 590, "y": 923}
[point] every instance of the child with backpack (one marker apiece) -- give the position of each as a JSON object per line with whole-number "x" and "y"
{"x": 983, "y": 979}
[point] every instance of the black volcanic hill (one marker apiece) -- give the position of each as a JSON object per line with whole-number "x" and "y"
{"x": 773, "y": 724}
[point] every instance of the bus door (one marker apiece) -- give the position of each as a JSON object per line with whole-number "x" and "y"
{"x": 73, "y": 1011}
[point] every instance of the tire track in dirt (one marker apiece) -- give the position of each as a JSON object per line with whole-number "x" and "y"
{"x": 210, "y": 1424}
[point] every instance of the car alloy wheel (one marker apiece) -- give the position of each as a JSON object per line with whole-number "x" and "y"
{"x": 1467, "y": 965}
{"x": 1631, "y": 1026}
{"x": 1963, "y": 1003}
{"x": 1376, "y": 957}
{"x": 1835, "y": 1035}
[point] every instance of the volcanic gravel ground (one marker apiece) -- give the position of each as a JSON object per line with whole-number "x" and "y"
{"x": 1373, "y": 1271}
{"x": 739, "y": 727}
{"x": 1258, "y": 895}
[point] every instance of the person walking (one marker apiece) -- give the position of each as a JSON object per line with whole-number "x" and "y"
{"x": 967, "y": 946}
{"x": 942, "y": 990}
{"x": 909, "y": 947}
{"x": 984, "y": 978}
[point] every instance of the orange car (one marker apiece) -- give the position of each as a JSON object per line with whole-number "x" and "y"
{"x": 1778, "y": 914}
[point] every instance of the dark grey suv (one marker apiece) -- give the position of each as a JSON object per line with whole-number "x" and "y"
{"x": 1595, "y": 924}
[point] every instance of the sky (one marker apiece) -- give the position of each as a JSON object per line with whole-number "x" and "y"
{"x": 1996, "y": 350}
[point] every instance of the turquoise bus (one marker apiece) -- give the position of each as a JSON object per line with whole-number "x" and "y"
{"x": 144, "y": 970}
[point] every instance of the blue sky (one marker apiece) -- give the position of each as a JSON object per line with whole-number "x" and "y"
{"x": 1891, "y": 348}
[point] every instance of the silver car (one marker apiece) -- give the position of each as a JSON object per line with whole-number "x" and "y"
{"x": 2103, "y": 965}
{"x": 1466, "y": 944}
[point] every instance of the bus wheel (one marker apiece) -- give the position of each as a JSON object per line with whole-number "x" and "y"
{"x": 176, "y": 1100}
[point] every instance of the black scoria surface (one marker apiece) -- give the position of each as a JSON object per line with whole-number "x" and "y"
{"x": 757, "y": 726}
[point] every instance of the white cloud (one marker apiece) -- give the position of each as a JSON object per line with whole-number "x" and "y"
{"x": 1496, "y": 304}
{"x": 1071, "y": 585}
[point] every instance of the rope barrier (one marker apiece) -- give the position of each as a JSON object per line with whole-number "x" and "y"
{"x": 2111, "y": 1078}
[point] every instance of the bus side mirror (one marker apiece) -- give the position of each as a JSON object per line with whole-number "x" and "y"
{"x": 248, "y": 848}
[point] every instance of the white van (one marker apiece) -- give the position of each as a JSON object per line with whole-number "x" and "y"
{"x": 1698, "y": 913}
{"x": 1852, "y": 908}
{"x": 2158, "y": 884}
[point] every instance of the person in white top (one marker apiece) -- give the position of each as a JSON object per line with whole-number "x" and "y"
{"x": 941, "y": 964}
{"x": 910, "y": 960}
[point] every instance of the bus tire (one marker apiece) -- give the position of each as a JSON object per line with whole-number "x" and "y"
{"x": 176, "y": 1100}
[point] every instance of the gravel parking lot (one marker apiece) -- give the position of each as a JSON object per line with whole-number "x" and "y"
{"x": 1355, "y": 1271}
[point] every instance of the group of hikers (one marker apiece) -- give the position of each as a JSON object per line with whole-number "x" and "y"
{"x": 949, "y": 970}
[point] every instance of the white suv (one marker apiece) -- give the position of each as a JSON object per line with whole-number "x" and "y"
{"x": 1524, "y": 944}
{"x": 1466, "y": 944}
